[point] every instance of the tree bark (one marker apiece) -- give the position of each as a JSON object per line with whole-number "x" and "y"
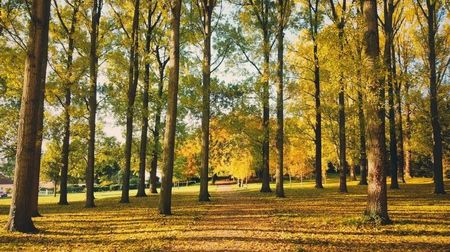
{"x": 339, "y": 21}
{"x": 377, "y": 193}
{"x": 342, "y": 137}
{"x": 37, "y": 157}
{"x": 265, "y": 187}
{"x": 408, "y": 125}
{"x": 282, "y": 9}
{"x": 399, "y": 128}
{"x": 207, "y": 10}
{"x": 162, "y": 62}
{"x": 388, "y": 41}
{"x": 362, "y": 137}
{"x": 131, "y": 95}
{"x": 93, "y": 74}
{"x": 165, "y": 200}
{"x": 28, "y": 139}
{"x": 144, "y": 130}
{"x": 435, "y": 124}
{"x": 313, "y": 25}
{"x": 67, "y": 104}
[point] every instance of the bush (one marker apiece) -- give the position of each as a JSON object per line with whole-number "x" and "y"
{"x": 134, "y": 180}
{"x": 101, "y": 188}
{"x": 114, "y": 187}
{"x": 74, "y": 189}
{"x": 133, "y": 186}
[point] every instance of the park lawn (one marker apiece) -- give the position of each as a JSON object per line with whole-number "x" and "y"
{"x": 240, "y": 219}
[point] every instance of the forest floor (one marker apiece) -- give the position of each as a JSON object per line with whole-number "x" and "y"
{"x": 242, "y": 220}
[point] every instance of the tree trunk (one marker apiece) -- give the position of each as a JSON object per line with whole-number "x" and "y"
{"x": 156, "y": 149}
{"x": 37, "y": 158}
{"x": 362, "y": 137}
{"x": 93, "y": 74}
{"x": 388, "y": 41}
{"x": 33, "y": 89}
{"x": 265, "y": 187}
{"x": 352, "y": 172}
{"x": 408, "y": 125}
{"x": 165, "y": 200}
{"x": 377, "y": 193}
{"x": 342, "y": 138}
{"x": 143, "y": 153}
{"x": 398, "y": 106}
{"x": 313, "y": 25}
{"x": 208, "y": 6}
{"x": 280, "y": 99}
{"x": 67, "y": 104}
{"x": 435, "y": 124}
{"x": 339, "y": 21}
{"x": 132, "y": 86}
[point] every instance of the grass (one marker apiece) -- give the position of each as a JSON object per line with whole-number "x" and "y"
{"x": 241, "y": 220}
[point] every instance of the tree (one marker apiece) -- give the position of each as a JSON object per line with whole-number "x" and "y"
{"x": 92, "y": 100}
{"x": 133, "y": 76}
{"x": 206, "y": 8}
{"x": 339, "y": 21}
{"x": 399, "y": 117}
{"x": 69, "y": 32}
{"x": 403, "y": 79}
{"x": 165, "y": 200}
{"x": 162, "y": 61}
{"x": 283, "y": 8}
{"x": 431, "y": 15}
{"x": 261, "y": 10}
{"x": 28, "y": 136}
{"x": 389, "y": 8}
{"x": 145, "y": 97}
{"x": 377, "y": 194}
{"x": 314, "y": 22}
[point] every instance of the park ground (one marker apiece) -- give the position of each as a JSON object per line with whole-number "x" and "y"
{"x": 241, "y": 219}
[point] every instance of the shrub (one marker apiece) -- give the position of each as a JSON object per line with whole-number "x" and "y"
{"x": 74, "y": 189}
{"x": 114, "y": 187}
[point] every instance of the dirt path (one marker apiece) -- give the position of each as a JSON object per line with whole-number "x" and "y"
{"x": 235, "y": 221}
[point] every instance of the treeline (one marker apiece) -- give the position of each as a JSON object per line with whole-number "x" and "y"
{"x": 244, "y": 88}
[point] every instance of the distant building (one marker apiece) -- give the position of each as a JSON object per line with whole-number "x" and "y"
{"x": 6, "y": 184}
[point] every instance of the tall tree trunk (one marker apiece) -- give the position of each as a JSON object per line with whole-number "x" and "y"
{"x": 156, "y": 148}
{"x": 165, "y": 200}
{"x": 339, "y": 20}
{"x": 388, "y": 41}
{"x": 93, "y": 74}
{"x": 435, "y": 124}
{"x": 132, "y": 86}
{"x": 313, "y": 22}
{"x": 408, "y": 125}
{"x": 67, "y": 104}
{"x": 65, "y": 149}
{"x": 318, "y": 128}
{"x": 30, "y": 110}
{"x": 144, "y": 130}
{"x": 37, "y": 158}
{"x": 207, "y": 10}
{"x": 398, "y": 106}
{"x": 265, "y": 187}
{"x": 362, "y": 136}
{"x": 377, "y": 192}
{"x": 280, "y": 100}
{"x": 342, "y": 138}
